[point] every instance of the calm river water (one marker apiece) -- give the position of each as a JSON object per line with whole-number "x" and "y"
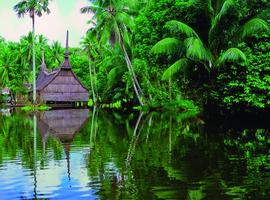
{"x": 97, "y": 154}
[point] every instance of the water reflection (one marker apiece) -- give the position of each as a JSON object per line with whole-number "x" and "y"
{"x": 6, "y": 111}
{"x": 75, "y": 154}
{"x": 62, "y": 125}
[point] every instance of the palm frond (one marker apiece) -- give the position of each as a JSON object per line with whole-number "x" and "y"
{"x": 91, "y": 9}
{"x": 180, "y": 27}
{"x": 105, "y": 35}
{"x": 196, "y": 50}
{"x": 253, "y": 26}
{"x": 231, "y": 55}
{"x": 114, "y": 75}
{"x": 173, "y": 69}
{"x": 21, "y": 8}
{"x": 124, "y": 18}
{"x": 265, "y": 15}
{"x": 167, "y": 46}
{"x": 224, "y": 10}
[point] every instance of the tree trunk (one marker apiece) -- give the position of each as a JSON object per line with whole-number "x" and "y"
{"x": 91, "y": 80}
{"x": 135, "y": 83}
{"x": 129, "y": 62}
{"x": 34, "y": 61}
{"x": 94, "y": 81}
{"x": 170, "y": 89}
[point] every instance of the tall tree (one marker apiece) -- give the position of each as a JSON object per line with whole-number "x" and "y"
{"x": 56, "y": 53}
{"x": 115, "y": 24}
{"x": 87, "y": 45}
{"x": 8, "y": 62}
{"x": 32, "y": 7}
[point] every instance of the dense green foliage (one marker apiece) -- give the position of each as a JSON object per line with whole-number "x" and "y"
{"x": 162, "y": 52}
{"x": 246, "y": 85}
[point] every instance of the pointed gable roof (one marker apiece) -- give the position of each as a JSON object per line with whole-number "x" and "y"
{"x": 46, "y": 77}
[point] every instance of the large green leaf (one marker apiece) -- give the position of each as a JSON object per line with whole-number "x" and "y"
{"x": 167, "y": 46}
{"x": 177, "y": 26}
{"x": 124, "y": 18}
{"x": 231, "y": 55}
{"x": 196, "y": 49}
{"x": 227, "y": 5}
{"x": 253, "y": 26}
{"x": 114, "y": 75}
{"x": 173, "y": 69}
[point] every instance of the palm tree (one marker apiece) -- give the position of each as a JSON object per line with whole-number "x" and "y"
{"x": 26, "y": 45}
{"x": 42, "y": 44}
{"x": 115, "y": 24}
{"x": 208, "y": 54}
{"x": 87, "y": 45}
{"x": 32, "y": 7}
{"x": 56, "y": 53}
{"x": 8, "y": 62}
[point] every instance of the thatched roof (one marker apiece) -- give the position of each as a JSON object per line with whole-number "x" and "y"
{"x": 45, "y": 78}
{"x": 60, "y": 85}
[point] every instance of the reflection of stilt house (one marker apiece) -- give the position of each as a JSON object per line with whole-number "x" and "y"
{"x": 63, "y": 125}
{"x": 60, "y": 86}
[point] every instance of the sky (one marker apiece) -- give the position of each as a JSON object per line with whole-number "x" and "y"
{"x": 65, "y": 15}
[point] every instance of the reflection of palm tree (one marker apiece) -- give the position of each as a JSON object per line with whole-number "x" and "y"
{"x": 33, "y": 7}
{"x": 94, "y": 126}
{"x": 134, "y": 139}
{"x": 149, "y": 127}
{"x": 35, "y": 154}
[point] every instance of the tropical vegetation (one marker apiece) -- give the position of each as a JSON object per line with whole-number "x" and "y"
{"x": 163, "y": 54}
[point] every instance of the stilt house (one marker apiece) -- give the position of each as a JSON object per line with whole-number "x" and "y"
{"x": 60, "y": 86}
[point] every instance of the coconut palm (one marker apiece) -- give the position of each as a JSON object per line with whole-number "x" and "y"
{"x": 8, "y": 61}
{"x": 115, "y": 24}
{"x": 32, "y": 7}
{"x": 42, "y": 41}
{"x": 42, "y": 46}
{"x": 56, "y": 53}
{"x": 26, "y": 44}
{"x": 191, "y": 47}
{"x": 87, "y": 46}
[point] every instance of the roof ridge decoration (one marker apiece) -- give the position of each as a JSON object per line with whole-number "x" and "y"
{"x": 66, "y": 64}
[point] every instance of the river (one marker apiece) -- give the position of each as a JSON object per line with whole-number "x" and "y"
{"x": 98, "y": 154}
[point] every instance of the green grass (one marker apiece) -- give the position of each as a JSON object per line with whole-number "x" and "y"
{"x": 36, "y": 107}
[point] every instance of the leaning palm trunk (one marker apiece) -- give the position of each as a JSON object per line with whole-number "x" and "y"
{"x": 170, "y": 89}
{"x": 34, "y": 61}
{"x": 135, "y": 82}
{"x": 130, "y": 65}
{"x": 95, "y": 81}
{"x": 134, "y": 139}
{"x": 91, "y": 80}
